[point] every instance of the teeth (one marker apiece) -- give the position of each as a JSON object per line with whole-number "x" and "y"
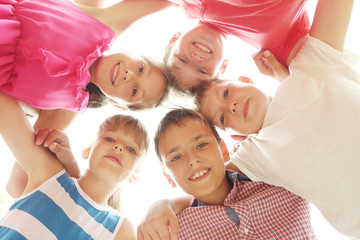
{"x": 199, "y": 174}
{"x": 115, "y": 72}
{"x": 202, "y": 47}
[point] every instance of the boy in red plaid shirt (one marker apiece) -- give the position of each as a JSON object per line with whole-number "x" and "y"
{"x": 226, "y": 205}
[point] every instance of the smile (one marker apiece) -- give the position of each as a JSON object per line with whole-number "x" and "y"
{"x": 114, "y": 73}
{"x": 202, "y": 48}
{"x": 200, "y": 174}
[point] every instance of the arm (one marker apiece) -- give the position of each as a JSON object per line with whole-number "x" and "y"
{"x": 56, "y": 119}
{"x": 58, "y": 143}
{"x": 17, "y": 132}
{"x": 126, "y": 231}
{"x": 121, "y": 15}
{"x": 161, "y": 221}
{"x": 331, "y": 21}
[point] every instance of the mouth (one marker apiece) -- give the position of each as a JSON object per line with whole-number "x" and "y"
{"x": 202, "y": 47}
{"x": 114, "y": 73}
{"x": 114, "y": 158}
{"x": 199, "y": 175}
{"x": 246, "y": 109}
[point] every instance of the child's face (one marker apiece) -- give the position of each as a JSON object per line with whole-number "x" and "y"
{"x": 115, "y": 154}
{"x": 128, "y": 79}
{"x": 235, "y": 106}
{"x": 196, "y": 56}
{"x": 193, "y": 157}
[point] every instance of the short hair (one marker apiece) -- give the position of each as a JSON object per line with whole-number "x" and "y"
{"x": 157, "y": 65}
{"x": 200, "y": 93}
{"x": 178, "y": 117}
{"x": 129, "y": 124}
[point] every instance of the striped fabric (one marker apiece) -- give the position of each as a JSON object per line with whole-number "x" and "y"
{"x": 59, "y": 209}
{"x": 252, "y": 210}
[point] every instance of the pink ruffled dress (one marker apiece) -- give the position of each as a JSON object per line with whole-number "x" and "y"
{"x": 46, "y": 48}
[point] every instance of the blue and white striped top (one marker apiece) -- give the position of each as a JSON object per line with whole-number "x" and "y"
{"x": 59, "y": 209}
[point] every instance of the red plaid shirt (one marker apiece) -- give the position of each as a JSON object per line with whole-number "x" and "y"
{"x": 252, "y": 210}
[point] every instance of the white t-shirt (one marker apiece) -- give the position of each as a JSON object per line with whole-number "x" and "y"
{"x": 310, "y": 140}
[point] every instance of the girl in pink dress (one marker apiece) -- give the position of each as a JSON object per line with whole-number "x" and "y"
{"x": 51, "y": 59}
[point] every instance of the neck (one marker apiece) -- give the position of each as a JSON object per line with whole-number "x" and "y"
{"x": 98, "y": 190}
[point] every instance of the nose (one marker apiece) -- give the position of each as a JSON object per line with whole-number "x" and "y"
{"x": 193, "y": 159}
{"x": 118, "y": 147}
{"x": 127, "y": 76}
{"x": 197, "y": 56}
{"x": 232, "y": 107}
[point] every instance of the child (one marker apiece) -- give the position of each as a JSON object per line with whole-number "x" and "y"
{"x": 197, "y": 56}
{"x": 52, "y": 60}
{"x": 54, "y": 206}
{"x": 308, "y": 134}
{"x": 227, "y": 205}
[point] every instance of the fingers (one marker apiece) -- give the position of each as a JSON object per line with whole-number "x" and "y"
{"x": 280, "y": 72}
{"x": 238, "y": 138}
{"x": 174, "y": 227}
{"x": 262, "y": 64}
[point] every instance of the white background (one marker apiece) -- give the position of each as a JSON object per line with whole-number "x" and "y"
{"x": 149, "y": 36}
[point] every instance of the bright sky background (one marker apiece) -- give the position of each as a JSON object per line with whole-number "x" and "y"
{"x": 149, "y": 36}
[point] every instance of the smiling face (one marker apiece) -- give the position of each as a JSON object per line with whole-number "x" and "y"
{"x": 115, "y": 154}
{"x": 192, "y": 155}
{"x": 128, "y": 79}
{"x": 235, "y": 106}
{"x": 197, "y": 56}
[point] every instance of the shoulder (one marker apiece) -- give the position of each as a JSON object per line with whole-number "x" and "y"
{"x": 126, "y": 231}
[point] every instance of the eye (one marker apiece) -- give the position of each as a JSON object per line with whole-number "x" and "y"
{"x": 226, "y": 93}
{"x": 176, "y": 158}
{"x": 182, "y": 59}
{"x": 131, "y": 150}
{"x": 202, "y": 145}
{"x": 202, "y": 71}
{"x": 109, "y": 139}
{"x": 222, "y": 119}
{"x": 134, "y": 91}
{"x": 141, "y": 69}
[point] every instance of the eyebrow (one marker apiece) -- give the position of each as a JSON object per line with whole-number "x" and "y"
{"x": 194, "y": 139}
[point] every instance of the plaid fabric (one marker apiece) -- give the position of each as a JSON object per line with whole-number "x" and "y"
{"x": 252, "y": 210}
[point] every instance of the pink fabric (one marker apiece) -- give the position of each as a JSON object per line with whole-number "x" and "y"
{"x": 263, "y": 211}
{"x": 46, "y": 48}
{"x": 272, "y": 24}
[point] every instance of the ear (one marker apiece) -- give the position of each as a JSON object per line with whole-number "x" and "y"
{"x": 85, "y": 153}
{"x": 173, "y": 40}
{"x": 172, "y": 183}
{"x": 224, "y": 151}
{"x": 223, "y": 67}
{"x": 245, "y": 80}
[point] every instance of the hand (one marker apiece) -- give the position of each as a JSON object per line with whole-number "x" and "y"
{"x": 58, "y": 143}
{"x": 269, "y": 65}
{"x": 160, "y": 223}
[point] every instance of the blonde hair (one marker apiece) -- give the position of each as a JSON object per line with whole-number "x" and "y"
{"x": 133, "y": 126}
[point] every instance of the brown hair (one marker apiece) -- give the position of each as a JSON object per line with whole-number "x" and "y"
{"x": 96, "y": 97}
{"x": 130, "y": 125}
{"x": 200, "y": 93}
{"x": 178, "y": 117}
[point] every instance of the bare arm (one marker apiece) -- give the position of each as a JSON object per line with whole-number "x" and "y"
{"x": 121, "y": 15}
{"x": 331, "y": 21}
{"x": 17, "y": 132}
{"x": 161, "y": 221}
{"x": 126, "y": 231}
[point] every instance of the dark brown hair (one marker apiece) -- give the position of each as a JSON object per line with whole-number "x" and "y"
{"x": 178, "y": 117}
